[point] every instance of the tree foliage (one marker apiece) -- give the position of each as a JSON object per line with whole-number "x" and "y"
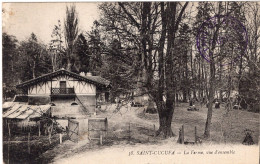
{"x": 56, "y": 47}
{"x": 34, "y": 58}
{"x": 71, "y": 34}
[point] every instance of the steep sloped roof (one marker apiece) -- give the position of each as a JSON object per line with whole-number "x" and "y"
{"x": 96, "y": 80}
{"x": 99, "y": 79}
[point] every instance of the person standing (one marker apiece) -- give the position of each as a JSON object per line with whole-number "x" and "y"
{"x": 191, "y": 103}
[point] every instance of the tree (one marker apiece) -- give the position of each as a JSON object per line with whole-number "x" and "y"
{"x": 96, "y": 48}
{"x": 56, "y": 47}
{"x": 249, "y": 90}
{"x": 71, "y": 34}
{"x": 182, "y": 51}
{"x": 82, "y": 55}
{"x": 120, "y": 75}
{"x": 9, "y": 64}
{"x": 33, "y": 59}
{"x": 218, "y": 35}
{"x": 9, "y": 58}
{"x": 167, "y": 64}
{"x": 144, "y": 27}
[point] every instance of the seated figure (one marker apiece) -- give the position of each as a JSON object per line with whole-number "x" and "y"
{"x": 217, "y": 105}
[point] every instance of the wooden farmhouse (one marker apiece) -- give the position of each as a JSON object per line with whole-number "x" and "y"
{"x": 70, "y": 95}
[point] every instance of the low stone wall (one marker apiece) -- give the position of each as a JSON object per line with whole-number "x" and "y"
{"x": 67, "y": 111}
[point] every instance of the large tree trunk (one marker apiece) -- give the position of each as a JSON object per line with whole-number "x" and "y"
{"x": 166, "y": 85}
{"x": 184, "y": 94}
{"x": 166, "y": 111}
{"x": 199, "y": 80}
{"x": 151, "y": 107}
{"x": 211, "y": 99}
{"x": 165, "y": 119}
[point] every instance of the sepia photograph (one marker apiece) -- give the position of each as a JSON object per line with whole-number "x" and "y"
{"x": 131, "y": 82}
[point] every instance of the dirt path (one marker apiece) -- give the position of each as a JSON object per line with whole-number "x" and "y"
{"x": 118, "y": 133}
{"x": 165, "y": 153}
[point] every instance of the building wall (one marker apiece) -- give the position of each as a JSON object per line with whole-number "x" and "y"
{"x": 89, "y": 101}
{"x": 80, "y": 87}
{"x": 41, "y": 88}
{"x": 64, "y": 108}
{"x": 85, "y": 93}
{"x": 74, "y": 111}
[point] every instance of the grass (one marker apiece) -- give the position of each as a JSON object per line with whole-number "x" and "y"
{"x": 225, "y": 128}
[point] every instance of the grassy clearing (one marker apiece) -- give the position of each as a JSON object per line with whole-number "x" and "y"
{"x": 225, "y": 128}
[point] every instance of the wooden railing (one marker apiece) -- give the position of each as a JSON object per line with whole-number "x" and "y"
{"x": 62, "y": 91}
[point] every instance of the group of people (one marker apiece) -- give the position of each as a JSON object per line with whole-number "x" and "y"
{"x": 193, "y": 107}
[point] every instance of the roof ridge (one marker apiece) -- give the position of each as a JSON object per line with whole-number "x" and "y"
{"x": 75, "y": 75}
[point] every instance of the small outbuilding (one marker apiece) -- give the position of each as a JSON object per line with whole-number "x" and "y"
{"x": 24, "y": 117}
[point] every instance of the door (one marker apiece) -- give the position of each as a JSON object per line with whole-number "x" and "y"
{"x": 63, "y": 87}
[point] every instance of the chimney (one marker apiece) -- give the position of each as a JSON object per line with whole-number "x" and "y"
{"x": 82, "y": 74}
{"x": 88, "y": 74}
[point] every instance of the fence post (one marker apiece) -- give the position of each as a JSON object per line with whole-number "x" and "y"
{"x": 106, "y": 126}
{"x": 195, "y": 134}
{"x": 129, "y": 132}
{"x": 101, "y": 143}
{"x": 182, "y": 134}
{"x": 50, "y": 131}
{"x": 60, "y": 138}
{"x": 8, "y": 147}
{"x": 39, "y": 128}
{"x": 9, "y": 131}
{"x": 154, "y": 130}
{"x": 29, "y": 142}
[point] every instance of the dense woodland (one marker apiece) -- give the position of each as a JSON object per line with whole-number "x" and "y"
{"x": 149, "y": 48}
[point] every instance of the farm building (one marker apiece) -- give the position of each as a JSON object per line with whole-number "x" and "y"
{"x": 70, "y": 94}
{"x": 63, "y": 97}
{"x": 21, "y": 116}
